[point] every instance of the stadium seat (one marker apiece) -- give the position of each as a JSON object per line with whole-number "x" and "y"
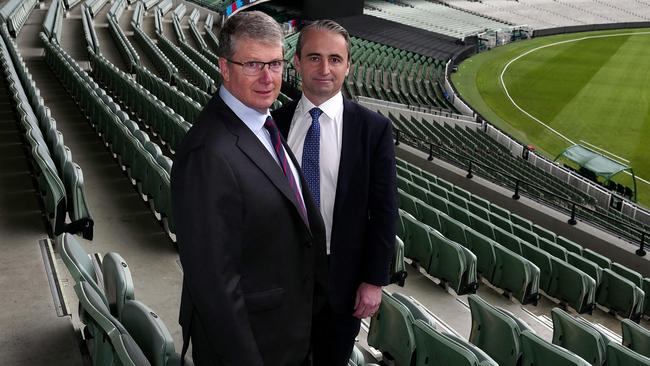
{"x": 118, "y": 283}
{"x": 453, "y": 229}
{"x": 483, "y": 248}
{"x": 523, "y": 222}
{"x": 572, "y": 286}
{"x": 496, "y": 332}
{"x": 481, "y": 225}
{"x": 111, "y": 343}
{"x": 436, "y": 348}
{"x": 502, "y": 212}
{"x": 578, "y": 337}
{"x": 151, "y": 334}
{"x": 543, "y": 261}
{"x": 636, "y": 337}
{"x": 418, "y": 311}
{"x": 516, "y": 275}
{"x": 429, "y": 215}
{"x": 646, "y": 301}
{"x": 585, "y": 265}
{"x": 398, "y": 267}
{"x": 569, "y": 245}
{"x": 453, "y": 264}
{"x": 599, "y": 259}
{"x": 538, "y": 352}
{"x": 544, "y": 233}
{"x": 525, "y": 235}
{"x": 631, "y": 275}
{"x": 79, "y": 264}
{"x": 620, "y": 295}
{"x": 418, "y": 241}
{"x": 500, "y": 221}
{"x": 618, "y": 355}
{"x": 553, "y": 249}
{"x": 407, "y": 202}
{"x": 391, "y": 330}
{"x": 507, "y": 239}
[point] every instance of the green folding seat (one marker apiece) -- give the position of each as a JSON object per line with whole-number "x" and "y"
{"x": 597, "y": 258}
{"x": 578, "y": 337}
{"x": 544, "y": 233}
{"x": 483, "y": 248}
{"x": 118, "y": 283}
{"x": 631, "y": 275}
{"x": 407, "y": 202}
{"x": 525, "y": 235}
{"x": 429, "y": 215}
{"x": 538, "y": 352}
{"x": 78, "y": 210}
{"x": 456, "y": 199}
{"x": 572, "y": 286}
{"x": 420, "y": 181}
{"x": 439, "y": 190}
{"x": 585, "y": 265}
{"x": 414, "y": 169}
{"x": 436, "y": 348}
{"x": 151, "y": 334}
{"x": 111, "y": 342}
{"x": 79, "y": 264}
{"x": 478, "y": 210}
{"x": 418, "y": 241}
{"x": 552, "y": 248}
{"x": 569, "y": 245}
{"x": 646, "y": 301}
{"x": 402, "y": 163}
{"x": 501, "y": 222}
{"x": 404, "y": 184}
{"x": 401, "y": 227}
{"x": 398, "y": 267}
{"x": 459, "y": 213}
{"x": 482, "y": 226}
{"x": 481, "y": 202}
{"x": 453, "y": 264}
{"x": 507, "y": 239}
{"x": 495, "y": 332}
{"x": 618, "y": 355}
{"x": 542, "y": 260}
{"x": 453, "y": 229}
{"x": 516, "y": 275}
{"x": 430, "y": 177}
{"x": 445, "y": 184}
{"x": 419, "y": 192}
{"x": 438, "y": 202}
{"x": 502, "y": 212}
{"x": 391, "y": 330}
{"x": 462, "y": 193}
{"x": 636, "y": 337}
{"x": 619, "y": 295}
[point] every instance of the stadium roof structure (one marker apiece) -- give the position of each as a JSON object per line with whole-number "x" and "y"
{"x": 599, "y": 164}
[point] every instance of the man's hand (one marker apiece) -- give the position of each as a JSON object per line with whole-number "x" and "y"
{"x": 367, "y": 301}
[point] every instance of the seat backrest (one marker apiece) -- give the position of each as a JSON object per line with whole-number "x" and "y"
{"x": 585, "y": 265}
{"x": 494, "y": 332}
{"x": 418, "y": 311}
{"x": 636, "y": 337}
{"x": 118, "y": 283}
{"x": 434, "y": 348}
{"x": 544, "y": 233}
{"x": 571, "y": 285}
{"x": 578, "y": 338}
{"x": 617, "y": 293}
{"x": 149, "y": 332}
{"x": 553, "y": 249}
{"x": 419, "y": 242}
{"x": 391, "y": 330}
{"x": 618, "y": 355}
{"x": 78, "y": 262}
{"x": 542, "y": 260}
{"x": 516, "y": 275}
{"x": 569, "y": 245}
{"x": 597, "y": 258}
{"x": 631, "y": 275}
{"x": 538, "y": 352}
{"x": 483, "y": 248}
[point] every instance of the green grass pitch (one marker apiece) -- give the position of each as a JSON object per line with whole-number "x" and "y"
{"x": 591, "y": 88}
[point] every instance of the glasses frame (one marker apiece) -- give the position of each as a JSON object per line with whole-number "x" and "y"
{"x": 258, "y": 71}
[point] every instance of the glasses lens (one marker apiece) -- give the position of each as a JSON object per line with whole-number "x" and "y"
{"x": 252, "y": 67}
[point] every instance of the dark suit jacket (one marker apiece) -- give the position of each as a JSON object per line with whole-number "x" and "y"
{"x": 365, "y": 207}
{"x": 251, "y": 266}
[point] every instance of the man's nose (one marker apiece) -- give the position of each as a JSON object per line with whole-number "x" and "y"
{"x": 265, "y": 74}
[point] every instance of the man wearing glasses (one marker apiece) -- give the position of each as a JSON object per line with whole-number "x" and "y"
{"x": 251, "y": 239}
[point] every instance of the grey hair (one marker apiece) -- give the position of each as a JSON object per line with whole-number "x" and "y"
{"x": 326, "y": 25}
{"x": 250, "y": 24}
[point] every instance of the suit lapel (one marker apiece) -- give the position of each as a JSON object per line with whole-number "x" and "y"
{"x": 346, "y": 163}
{"x": 251, "y": 146}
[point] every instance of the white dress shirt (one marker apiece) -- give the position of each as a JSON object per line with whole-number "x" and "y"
{"x": 255, "y": 120}
{"x": 331, "y": 137}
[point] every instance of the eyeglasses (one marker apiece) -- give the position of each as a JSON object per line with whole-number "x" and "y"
{"x": 253, "y": 68}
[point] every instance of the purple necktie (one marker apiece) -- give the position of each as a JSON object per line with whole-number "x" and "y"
{"x": 269, "y": 124}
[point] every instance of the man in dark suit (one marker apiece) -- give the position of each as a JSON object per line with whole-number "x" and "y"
{"x": 347, "y": 157}
{"x": 251, "y": 240}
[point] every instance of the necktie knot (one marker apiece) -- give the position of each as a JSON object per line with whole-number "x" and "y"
{"x": 269, "y": 124}
{"x": 315, "y": 113}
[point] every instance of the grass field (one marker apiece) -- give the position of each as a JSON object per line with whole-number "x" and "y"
{"x": 591, "y": 88}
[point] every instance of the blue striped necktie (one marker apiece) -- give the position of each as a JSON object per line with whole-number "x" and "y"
{"x": 311, "y": 155}
{"x": 269, "y": 124}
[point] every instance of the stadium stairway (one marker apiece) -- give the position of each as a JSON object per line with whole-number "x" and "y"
{"x": 125, "y": 222}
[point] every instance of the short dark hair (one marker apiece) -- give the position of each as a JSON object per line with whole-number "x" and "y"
{"x": 250, "y": 24}
{"x": 323, "y": 25}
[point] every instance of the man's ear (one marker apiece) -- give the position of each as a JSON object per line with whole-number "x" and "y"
{"x": 223, "y": 66}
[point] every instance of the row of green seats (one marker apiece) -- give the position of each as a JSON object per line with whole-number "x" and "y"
{"x": 95, "y": 6}
{"x": 89, "y": 29}
{"x": 190, "y": 90}
{"x": 14, "y": 14}
{"x": 404, "y": 331}
{"x": 60, "y": 179}
{"x": 54, "y": 21}
{"x": 138, "y": 14}
{"x": 197, "y": 76}
{"x": 162, "y": 120}
{"x": 125, "y": 47}
{"x": 178, "y": 29}
{"x": 166, "y": 68}
{"x": 123, "y": 330}
{"x": 594, "y": 278}
{"x": 188, "y": 108}
{"x": 142, "y": 159}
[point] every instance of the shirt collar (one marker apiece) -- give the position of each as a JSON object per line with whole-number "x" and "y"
{"x": 331, "y": 107}
{"x": 251, "y": 118}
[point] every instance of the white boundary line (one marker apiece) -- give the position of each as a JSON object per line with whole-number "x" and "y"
{"x": 505, "y": 89}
